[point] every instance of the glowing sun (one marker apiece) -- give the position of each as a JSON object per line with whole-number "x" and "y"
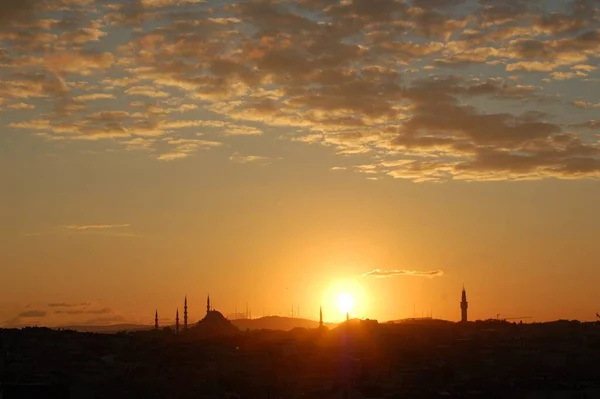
{"x": 345, "y": 296}
{"x": 345, "y": 302}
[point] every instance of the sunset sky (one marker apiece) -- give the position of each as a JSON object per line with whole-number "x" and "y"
{"x": 279, "y": 153}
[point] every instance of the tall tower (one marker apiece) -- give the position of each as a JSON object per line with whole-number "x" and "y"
{"x": 177, "y": 322}
{"x": 464, "y": 305}
{"x": 321, "y": 316}
{"x": 207, "y": 304}
{"x": 156, "y": 320}
{"x": 185, "y": 313}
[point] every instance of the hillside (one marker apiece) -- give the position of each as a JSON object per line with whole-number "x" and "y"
{"x": 275, "y": 323}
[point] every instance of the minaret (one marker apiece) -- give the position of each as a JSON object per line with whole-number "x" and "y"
{"x": 464, "y": 305}
{"x": 321, "y": 317}
{"x": 207, "y": 304}
{"x": 156, "y": 320}
{"x": 177, "y": 322}
{"x": 185, "y": 319}
{"x": 347, "y": 316}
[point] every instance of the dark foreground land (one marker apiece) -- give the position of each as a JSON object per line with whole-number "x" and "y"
{"x": 356, "y": 360}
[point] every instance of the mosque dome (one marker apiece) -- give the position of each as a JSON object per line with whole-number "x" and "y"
{"x": 214, "y": 316}
{"x": 214, "y": 323}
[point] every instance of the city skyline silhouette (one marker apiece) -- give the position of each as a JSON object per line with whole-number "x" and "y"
{"x": 279, "y": 154}
{"x": 299, "y": 199}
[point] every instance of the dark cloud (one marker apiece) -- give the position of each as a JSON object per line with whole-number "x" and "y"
{"x": 392, "y": 273}
{"x": 500, "y": 12}
{"x": 593, "y": 124}
{"x": 495, "y": 145}
{"x": 11, "y": 10}
{"x": 67, "y": 305}
{"x": 85, "y": 311}
{"x": 443, "y": 4}
{"x": 32, "y": 314}
{"x": 579, "y": 15}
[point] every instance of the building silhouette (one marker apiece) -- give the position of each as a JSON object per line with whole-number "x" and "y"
{"x": 185, "y": 314}
{"x": 464, "y": 305}
{"x": 212, "y": 323}
{"x": 321, "y": 316}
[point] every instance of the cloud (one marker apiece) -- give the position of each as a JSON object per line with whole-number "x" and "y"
{"x": 171, "y": 156}
{"x": 585, "y": 104}
{"x": 146, "y": 91}
{"x": 430, "y": 90}
{"x": 67, "y": 305}
{"x": 93, "y": 97}
{"x": 16, "y": 10}
{"x": 61, "y": 313}
{"x": 22, "y": 106}
{"x": 84, "y": 227}
{"x": 392, "y": 273}
{"x": 32, "y": 314}
{"x": 84, "y": 311}
{"x": 186, "y": 147}
{"x": 239, "y": 158}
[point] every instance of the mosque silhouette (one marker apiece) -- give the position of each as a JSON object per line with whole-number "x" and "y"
{"x": 213, "y": 322}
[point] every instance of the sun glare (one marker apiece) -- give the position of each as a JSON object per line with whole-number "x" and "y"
{"x": 344, "y": 296}
{"x": 345, "y": 302}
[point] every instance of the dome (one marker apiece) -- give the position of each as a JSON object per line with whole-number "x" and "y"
{"x": 214, "y": 323}
{"x": 214, "y": 316}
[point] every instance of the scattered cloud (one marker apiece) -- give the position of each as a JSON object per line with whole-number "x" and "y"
{"x": 342, "y": 75}
{"x": 84, "y": 311}
{"x": 22, "y": 106}
{"x": 146, "y": 91}
{"x": 186, "y": 147}
{"x": 94, "y": 96}
{"x": 586, "y": 104}
{"x": 171, "y": 156}
{"x": 32, "y": 314}
{"x": 239, "y": 158}
{"x": 84, "y": 227}
{"x": 393, "y": 273}
{"x": 67, "y": 305}
{"x": 66, "y": 313}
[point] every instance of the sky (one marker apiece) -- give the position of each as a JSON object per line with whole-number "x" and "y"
{"x": 281, "y": 153}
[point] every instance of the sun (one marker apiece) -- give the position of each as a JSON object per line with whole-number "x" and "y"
{"x": 345, "y": 296}
{"x": 345, "y": 302}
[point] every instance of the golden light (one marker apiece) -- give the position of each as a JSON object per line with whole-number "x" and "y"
{"x": 345, "y": 302}
{"x": 345, "y": 296}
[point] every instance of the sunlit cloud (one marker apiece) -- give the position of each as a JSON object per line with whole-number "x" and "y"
{"x": 394, "y": 273}
{"x": 171, "y": 156}
{"x": 186, "y": 147}
{"x": 85, "y": 227}
{"x": 94, "y": 96}
{"x": 22, "y": 106}
{"x": 451, "y": 90}
{"x": 240, "y": 158}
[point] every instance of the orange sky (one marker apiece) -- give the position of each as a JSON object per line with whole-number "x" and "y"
{"x": 265, "y": 152}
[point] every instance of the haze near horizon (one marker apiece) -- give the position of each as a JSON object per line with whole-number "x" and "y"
{"x": 368, "y": 156}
